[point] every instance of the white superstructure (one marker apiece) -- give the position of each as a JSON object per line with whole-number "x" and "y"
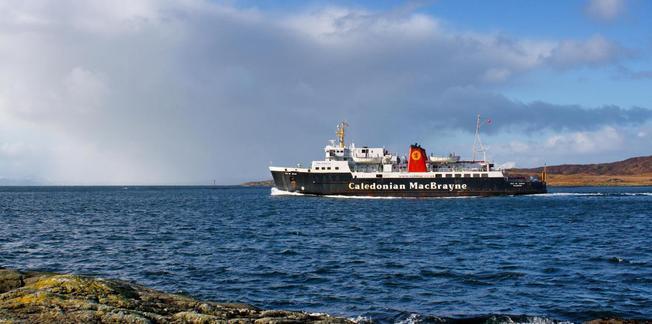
{"x": 367, "y": 162}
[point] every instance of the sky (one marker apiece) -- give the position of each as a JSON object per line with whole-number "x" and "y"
{"x": 129, "y": 92}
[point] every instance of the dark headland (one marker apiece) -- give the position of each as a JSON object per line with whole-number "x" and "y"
{"x": 636, "y": 171}
{"x": 263, "y": 183}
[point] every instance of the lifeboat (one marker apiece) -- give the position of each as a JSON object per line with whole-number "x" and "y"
{"x": 362, "y": 159}
{"x": 444, "y": 159}
{"x": 368, "y": 155}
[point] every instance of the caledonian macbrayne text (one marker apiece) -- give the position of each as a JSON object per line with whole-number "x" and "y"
{"x": 412, "y": 186}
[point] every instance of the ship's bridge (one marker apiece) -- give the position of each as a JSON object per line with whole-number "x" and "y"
{"x": 336, "y": 153}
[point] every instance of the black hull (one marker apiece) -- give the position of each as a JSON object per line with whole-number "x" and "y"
{"x": 345, "y": 185}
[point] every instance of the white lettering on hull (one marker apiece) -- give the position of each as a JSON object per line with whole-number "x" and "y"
{"x": 376, "y": 186}
{"x": 411, "y": 186}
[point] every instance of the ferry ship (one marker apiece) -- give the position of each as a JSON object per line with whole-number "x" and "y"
{"x": 348, "y": 170}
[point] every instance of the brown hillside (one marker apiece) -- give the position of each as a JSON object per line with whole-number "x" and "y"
{"x": 633, "y": 166}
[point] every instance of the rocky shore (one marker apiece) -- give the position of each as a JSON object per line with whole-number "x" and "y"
{"x": 37, "y": 297}
{"x": 41, "y": 297}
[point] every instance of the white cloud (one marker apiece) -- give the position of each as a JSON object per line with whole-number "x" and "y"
{"x": 605, "y": 10}
{"x": 605, "y": 139}
{"x": 507, "y": 165}
{"x": 338, "y": 25}
{"x": 594, "y": 51}
{"x": 607, "y": 143}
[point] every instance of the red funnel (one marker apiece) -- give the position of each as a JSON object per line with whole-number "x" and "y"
{"x": 417, "y": 159}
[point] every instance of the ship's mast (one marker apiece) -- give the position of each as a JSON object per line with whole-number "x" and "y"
{"x": 340, "y": 133}
{"x": 477, "y": 142}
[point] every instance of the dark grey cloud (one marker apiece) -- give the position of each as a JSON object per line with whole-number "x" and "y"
{"x": 187, "y": 93}
{"x": 534, "y": 116}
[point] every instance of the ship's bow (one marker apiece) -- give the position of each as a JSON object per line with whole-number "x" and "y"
{"x": 283, "y": 179}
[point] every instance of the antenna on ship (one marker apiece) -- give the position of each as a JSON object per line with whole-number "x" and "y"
{"x": 340, "y": 132}
{"x": 477, "y": 142}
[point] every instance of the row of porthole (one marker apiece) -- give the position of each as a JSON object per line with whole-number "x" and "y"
{"x": 466, "y": 175}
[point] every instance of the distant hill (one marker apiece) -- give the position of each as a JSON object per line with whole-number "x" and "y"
{"x": 635, "y": 171}
{"x": 264, "y": 183}
{"x": 632, "y": 166}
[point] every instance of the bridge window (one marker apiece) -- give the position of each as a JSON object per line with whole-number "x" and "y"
{"x": 328, "y": 168}
{"x": 484, "y": 175}
{"x": 467, "y": 175}
{"x": 438, "y": 175}
{"x": 457, "y": 175}
{"x": 448, "y": 175}
{"x": 337, "y": 168}
{"x": 476, "y": 175}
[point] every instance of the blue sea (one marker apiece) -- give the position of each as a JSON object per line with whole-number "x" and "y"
{"x": 571, "y": 255}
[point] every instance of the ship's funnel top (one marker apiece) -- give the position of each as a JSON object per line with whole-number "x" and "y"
{"x": 417, "y": 159}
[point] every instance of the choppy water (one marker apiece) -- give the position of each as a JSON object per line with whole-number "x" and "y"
{"x": 573, "y": 254}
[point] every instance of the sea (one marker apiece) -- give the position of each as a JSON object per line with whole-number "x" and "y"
{"x": 571, "y": 255}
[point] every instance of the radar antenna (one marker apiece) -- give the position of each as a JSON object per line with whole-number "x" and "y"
{"x": 477, "y": 142}
{"x": 340, "y": 132}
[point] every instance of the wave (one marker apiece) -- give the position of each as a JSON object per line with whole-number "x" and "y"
{"x": 396, "y": 197}
{"x": 413, "y": 318}
{"x": 277, "y": 192}
{"x": 557, "y": 194}
{"x": 606, "y": 194}
{"x": 364, "y": 197}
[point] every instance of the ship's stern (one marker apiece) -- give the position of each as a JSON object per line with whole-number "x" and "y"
{"x": 521, "y": 186}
